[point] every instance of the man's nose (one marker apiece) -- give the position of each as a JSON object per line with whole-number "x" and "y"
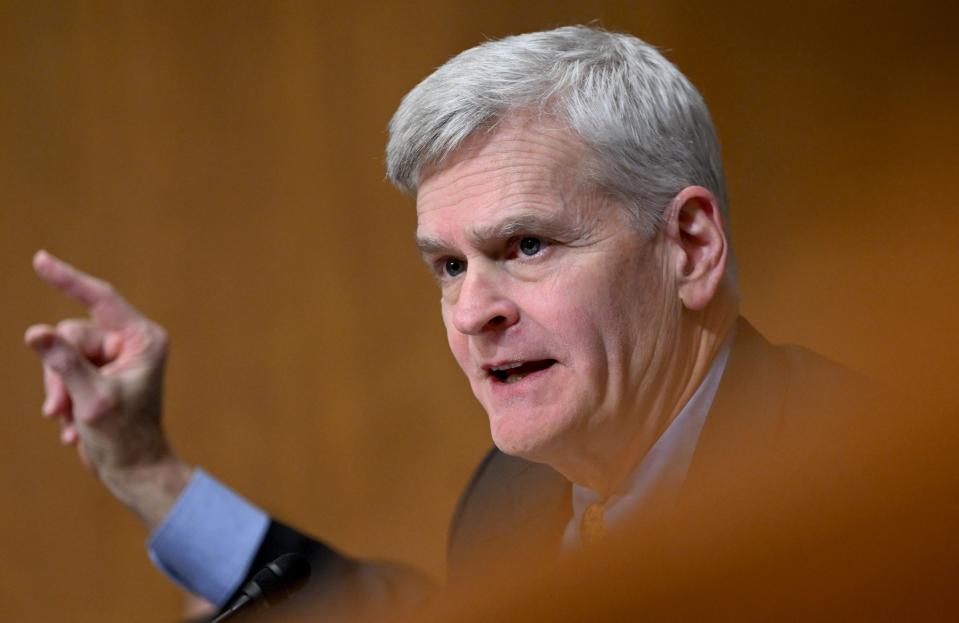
{"x": 482, "y": 304}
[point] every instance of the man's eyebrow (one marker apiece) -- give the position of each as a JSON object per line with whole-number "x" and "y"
{"x": 534, "y": 223}
{"x": 431, "y": 245}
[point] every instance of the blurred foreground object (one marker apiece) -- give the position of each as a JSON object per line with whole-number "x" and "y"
{"x": 866, "y": 535}
{"x": 850, "y": 515}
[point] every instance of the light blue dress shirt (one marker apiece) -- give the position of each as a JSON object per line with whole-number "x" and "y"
{"x": 208, "y": 541}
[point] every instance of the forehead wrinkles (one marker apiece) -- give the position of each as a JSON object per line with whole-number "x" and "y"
{"x": 513, "y": 166}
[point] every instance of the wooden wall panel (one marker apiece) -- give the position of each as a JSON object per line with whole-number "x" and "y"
{"x": 222, "y": 164}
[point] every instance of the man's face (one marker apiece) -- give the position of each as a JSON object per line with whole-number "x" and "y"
{"x": 554, "y": 303}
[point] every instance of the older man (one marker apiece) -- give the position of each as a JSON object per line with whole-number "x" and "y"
{"x": 571, "y": 205}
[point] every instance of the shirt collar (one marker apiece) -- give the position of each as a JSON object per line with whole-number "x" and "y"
{"x": 658, "y": 478}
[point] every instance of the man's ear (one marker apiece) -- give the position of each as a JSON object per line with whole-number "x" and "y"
{"x": 698, "y": 245}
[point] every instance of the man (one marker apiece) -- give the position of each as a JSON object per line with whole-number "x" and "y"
{"x": 571, "y": 204}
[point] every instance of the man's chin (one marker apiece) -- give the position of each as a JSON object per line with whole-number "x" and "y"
{"x": 532, "y": 445}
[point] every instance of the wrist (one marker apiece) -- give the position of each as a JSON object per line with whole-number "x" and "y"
{"x": 150, "y": 489}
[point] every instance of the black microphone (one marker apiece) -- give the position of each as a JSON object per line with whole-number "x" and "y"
{"x": 271, "y": 585}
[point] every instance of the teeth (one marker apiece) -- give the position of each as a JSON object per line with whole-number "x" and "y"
{"x": 507, "y": 366}
{"x": 512, "y": 378}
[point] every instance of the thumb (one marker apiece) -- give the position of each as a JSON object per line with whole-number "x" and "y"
{"x": 82, "y": 379}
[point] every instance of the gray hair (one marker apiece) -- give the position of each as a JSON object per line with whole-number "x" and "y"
{"x": 646, "y": 123}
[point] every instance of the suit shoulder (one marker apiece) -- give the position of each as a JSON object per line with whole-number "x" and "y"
{"x": 509, "y": 502}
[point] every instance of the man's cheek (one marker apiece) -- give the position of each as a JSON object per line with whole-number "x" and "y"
{"x": 573, "y": 321}
{"x": 459, "y": 347}
{"x": 453, "y": 337}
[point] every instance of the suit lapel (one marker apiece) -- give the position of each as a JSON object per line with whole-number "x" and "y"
{"x": 746, "y": 414}
{"x": 512, "y": 506}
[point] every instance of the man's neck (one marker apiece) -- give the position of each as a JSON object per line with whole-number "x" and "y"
{"x": 603, "y": 462}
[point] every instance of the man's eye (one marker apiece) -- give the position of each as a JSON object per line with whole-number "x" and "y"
{"x": 453, "y": 266}
{"x": 529, "y": 245}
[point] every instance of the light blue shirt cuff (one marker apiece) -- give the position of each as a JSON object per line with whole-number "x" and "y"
{"x": 208, "y": 540}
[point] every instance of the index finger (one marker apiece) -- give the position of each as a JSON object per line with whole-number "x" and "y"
{"x": 102, "y": 300}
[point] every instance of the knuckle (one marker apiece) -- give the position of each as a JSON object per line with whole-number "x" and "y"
{"x": 162, "y": 337}
{"x": 71, "y": 328}
{"x": 158, "y": 336}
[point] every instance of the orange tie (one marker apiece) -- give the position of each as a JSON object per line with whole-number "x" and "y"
{"x": 592, "y": 529}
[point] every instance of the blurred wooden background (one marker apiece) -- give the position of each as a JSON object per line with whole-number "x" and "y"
{"x": 221, "y": 163}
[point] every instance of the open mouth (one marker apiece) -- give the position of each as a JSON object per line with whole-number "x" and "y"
{"x": 512, "y": 372}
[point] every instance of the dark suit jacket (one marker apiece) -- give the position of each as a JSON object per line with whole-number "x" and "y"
{"x": 767, "y": 395}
